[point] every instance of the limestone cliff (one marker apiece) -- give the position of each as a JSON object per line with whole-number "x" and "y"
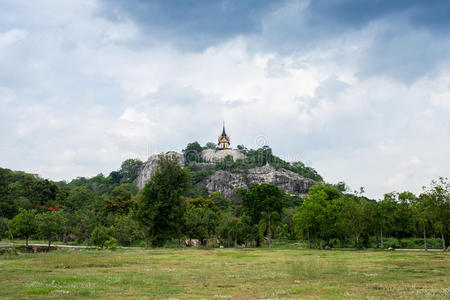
{"x": 288, "y": 181}
{"x": 226, "y": 181}
{"x": 149, "y": 167}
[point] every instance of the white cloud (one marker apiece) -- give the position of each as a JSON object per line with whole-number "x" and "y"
{"x": 81, "y": 96}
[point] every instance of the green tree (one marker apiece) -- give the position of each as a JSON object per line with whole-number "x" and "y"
{"x": 49, "y": 225}
{"x": 24, "y": 223}
{"x": 437, "y": 198}
{"x": 159, "y": 207}
{"x": 317, "y": 216}
{"x": 421, "y": 215}
{"x": 268, "y": 225}
{"x": 100, "y": 235}
{"x": 125, "y": 229}
{"x": 220, "y": 201}
{"x": 120, "y": 200}
{"x": 210, "y": 145}
{"x": 79, "y": 198}
{"x": 259, "y": 199}
{"x": 7, "y": 208}
{"x": 353, "y": 216}
{"x": 201, "y": 219}
{"x": 193, "y": 152}
{"x": 129, "y": 169}
{"x": 3, "y": 226}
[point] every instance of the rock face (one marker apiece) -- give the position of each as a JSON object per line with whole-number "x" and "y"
{"x": 288, "y": 181}
{"x": 226, "y": 181}
{"x": 212, "y": 155}
{"x": 150, "y": 166}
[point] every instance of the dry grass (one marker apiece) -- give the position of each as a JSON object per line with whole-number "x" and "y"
{"x": 225, "y": 274}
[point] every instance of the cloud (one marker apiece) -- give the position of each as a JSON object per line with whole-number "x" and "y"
{"x": 359, "y": 92}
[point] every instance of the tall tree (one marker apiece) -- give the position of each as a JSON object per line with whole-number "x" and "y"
{"x": 268, "y": 225}
{"x": 437, "y": 198}
{"x": 159, "y": 207}
{"x": 259, "y": 199}
{"x": 201, "y": 219}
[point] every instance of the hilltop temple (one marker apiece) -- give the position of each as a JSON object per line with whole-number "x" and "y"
{"x": 224, "y": 140}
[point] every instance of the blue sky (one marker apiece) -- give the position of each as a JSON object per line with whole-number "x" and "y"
{"x": 359, "y": 90}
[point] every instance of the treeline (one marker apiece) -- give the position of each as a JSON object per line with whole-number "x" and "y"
{"x": 107, "y": 211}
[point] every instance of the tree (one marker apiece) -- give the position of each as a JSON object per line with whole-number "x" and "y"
{"x": 260, "y": 198}
{"x": 201, "y": 219}
{"x": 220, "y": 201}
{"x": 100, "y": 235}
{"x": 159, "y": 207}
{"x": 193, "y": 152}
{"x": 79, "y": 198}
{"x": 210, "y": 145}
{"x": 7, "y": 208}
{"x": 3, "y": 226}
{"x": 125, "y": 229}
{"x": 354, "y": 217}
{"x": 268, "y": 224}
{"x": 120, "y": 201}
{"x": 129, "y": 170}
{"x": 437, "y": 199}
{"x": 402, "y": 224}
{"x": 24, "y": 223}
{"x": 317, "y": 216}
{"x": 421, "y": 215}
{"x": 49, "y": 225}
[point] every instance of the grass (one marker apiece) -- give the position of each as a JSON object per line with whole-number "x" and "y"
{"x": 225, "y": 274}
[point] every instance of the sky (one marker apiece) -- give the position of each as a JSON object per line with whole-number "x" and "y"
{"x": 358, "y": 90}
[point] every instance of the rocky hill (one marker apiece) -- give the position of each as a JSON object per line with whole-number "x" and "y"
{"x": 227, "y": 181}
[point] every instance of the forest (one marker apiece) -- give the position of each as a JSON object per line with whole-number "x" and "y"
{"x": 172, "y": 211}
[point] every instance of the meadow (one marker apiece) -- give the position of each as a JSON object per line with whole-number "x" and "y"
{"x": 225, "y": 274}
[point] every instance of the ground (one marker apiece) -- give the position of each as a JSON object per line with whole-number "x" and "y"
{"x": 225, "y": 274}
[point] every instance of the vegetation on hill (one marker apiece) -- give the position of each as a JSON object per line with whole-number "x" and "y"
{"x": 253, "y": 159}
{"x": 108, "y": 210}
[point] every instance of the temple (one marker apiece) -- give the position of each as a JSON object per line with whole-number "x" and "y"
{"x": 224, "y": 140}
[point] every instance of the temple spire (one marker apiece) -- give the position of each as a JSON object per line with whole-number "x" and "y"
{"x": 223, "y": 130}
{"x": 224, "y": 139}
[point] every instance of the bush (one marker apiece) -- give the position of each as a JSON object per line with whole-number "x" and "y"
{"x": 111, "y": 243}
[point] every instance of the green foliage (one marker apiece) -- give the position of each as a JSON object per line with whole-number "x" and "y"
{"x": 159, "y": 207}
{"x": 233, "y": 230}
{"x": 220, "y": 201}
{"x": 129, "y": 170}
{"x": 79, "y": 198}
{"x": 99, "y": 236}
{"x": 24, "y": 224}
{"x": 201, "y": 219}
{"x": 120, "y": 200}
{"x": 111, "y": 243}
{"x": 210, "y": 145}
{"x": 50, "y": 224}
{"x": 261, "y": 199}
{"x": 125, "y": 229}
{"x": 3, "y": 227}
{"x": 192, "y": 152}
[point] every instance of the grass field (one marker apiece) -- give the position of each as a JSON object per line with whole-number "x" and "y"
{"x": 225, "y": 274}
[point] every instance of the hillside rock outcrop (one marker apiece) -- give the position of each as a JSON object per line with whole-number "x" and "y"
{"x": 226, "y": 182}
{"x": 149, "y": 167}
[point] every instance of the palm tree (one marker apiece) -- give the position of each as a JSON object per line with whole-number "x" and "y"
{"x": 268, "y": 224}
